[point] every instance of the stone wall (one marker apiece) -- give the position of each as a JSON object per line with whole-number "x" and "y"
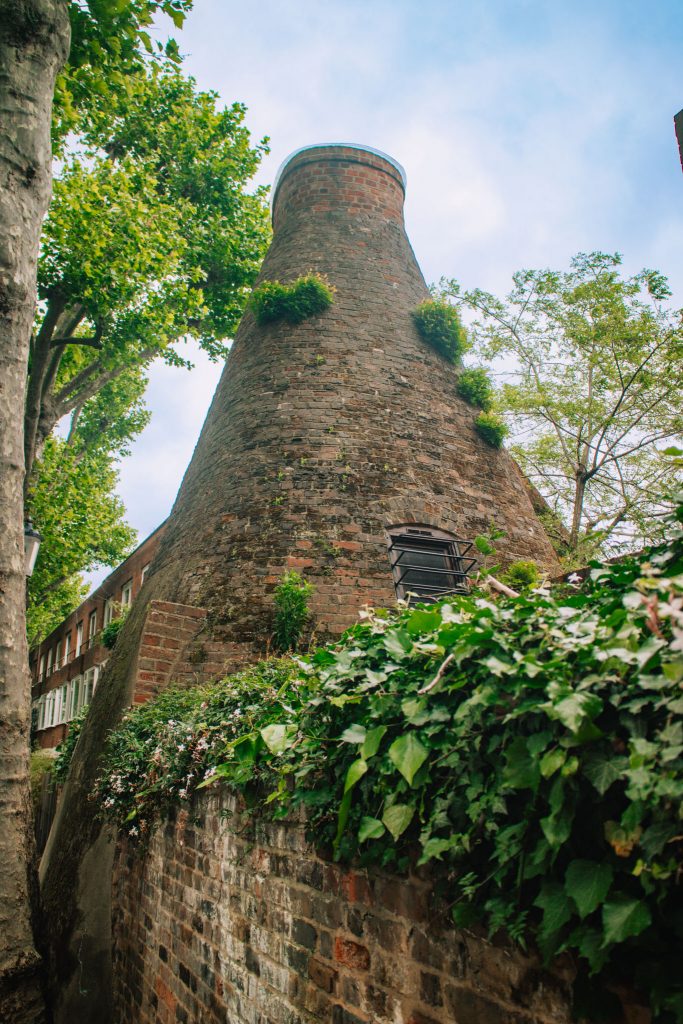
{"x": 223, "y": 920}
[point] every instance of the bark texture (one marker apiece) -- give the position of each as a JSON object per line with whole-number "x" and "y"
{"x": 34, "y": 42}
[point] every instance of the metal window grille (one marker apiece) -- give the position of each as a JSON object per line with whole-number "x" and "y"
{"x": 427, "y": 566}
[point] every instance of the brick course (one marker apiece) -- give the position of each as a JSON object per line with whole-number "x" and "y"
{"x": 227, "y": 919}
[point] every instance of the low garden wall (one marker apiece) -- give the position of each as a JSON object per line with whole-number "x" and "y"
{"x": 229, "y": 918}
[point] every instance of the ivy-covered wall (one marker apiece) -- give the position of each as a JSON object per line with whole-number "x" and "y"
{"x": 227, "y": 917}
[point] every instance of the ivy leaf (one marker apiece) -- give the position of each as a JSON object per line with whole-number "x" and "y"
{"x": 356, "y": 771}
{"x": 555, "y": 905}
{"x": 372, "y": 740}
{"x": 434, "y": 847}
{"x": 354, "y": 734}
{"x": 397, "y": 643}
{"x": 278, "y": 737}
{"x": 397, "y": 818}
{"x": 408, "y": 754}
{"x": 551, "y": 761}
{"x": 421, "y": 622}
{"x": 521, "y": 769}
{"x": 588, "y": 882}
{"x": 602, "y": 771}
{"x": 370, "y": 828}
{"x": 624, "y": 917}
{"x": 572, "y": 710}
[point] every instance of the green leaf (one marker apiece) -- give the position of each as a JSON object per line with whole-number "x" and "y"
{"x": 555, "y": 905}
{"x": 521, "y": 768}
{"x": 434, "y": 848}
{"x": 552, "y": 761}
{"x": 408, "y": 754}
{"x": 278, "y": 737}
{"x": 423, "y": 622}
{"x": 354, "y": 734}
{"x": 588, "y": 882}
{"x": 356, "y": 772}
{"x": 573, "y": 710}
{"x": 397, "y": 818}
{"x": 397, "y": 643}
{"x": 601, "y": 771}
{"x": 372, "y": 740}
{"x": 624, "y": 917}
{"x": 370, "y": 828}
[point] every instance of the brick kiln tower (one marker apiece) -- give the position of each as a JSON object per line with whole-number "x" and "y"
{"x": 327, "y": 439}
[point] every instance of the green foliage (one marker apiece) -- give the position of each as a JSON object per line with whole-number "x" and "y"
{"x": 521, "y": 574}
{"x": 543, "y": 765}
{"x": 438, "y": 323}
{"x": 42, "y": 763}
{"x": 110, "y": 633}
{"x": 308, "y": 296}
{"x": 593, "y": 365}
{"x": 82, "y": 524}
{"x": 110, "y": 43}
{"x": 491, "y": 428}
{"x": 291, "y": 610}
{"x": 476, "y": 388}
{"x": 68, "y": 745}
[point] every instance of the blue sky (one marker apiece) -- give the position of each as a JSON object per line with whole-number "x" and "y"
{"x": 529, "y": 131}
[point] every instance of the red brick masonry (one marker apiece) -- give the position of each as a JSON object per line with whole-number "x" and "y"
{"x": 219, "y": 924}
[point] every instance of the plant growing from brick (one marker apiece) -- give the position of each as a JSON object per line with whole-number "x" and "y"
{"x": 109, "y": 634}
{"x": 533, "y": 746}
{"x": 475, "y": 387}
{"x": 491, "y": 428}
{"x": 438, "y": 323}
{"x": 521, "y": 574}
{"x": 308, "y": 296}
{"x": 291, "y": 610}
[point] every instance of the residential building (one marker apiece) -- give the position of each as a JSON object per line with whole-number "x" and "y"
{"x": 66, "y": 665}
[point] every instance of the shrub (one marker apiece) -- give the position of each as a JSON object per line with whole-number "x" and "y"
{"x": 533, "y": 746}
{"x": 307, "y": 296}
{"x": 491, "y": 428}
{"x": 476, "y": 388}
{"x": 521, "y": 574}
{"x": 291, "y": 610}
{"x": 439, "y": 325}
{"x": 110, "y": 632}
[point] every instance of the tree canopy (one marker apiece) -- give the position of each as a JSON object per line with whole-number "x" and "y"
{"x": 594, "y": 392}
{"x": 151, "y": 236}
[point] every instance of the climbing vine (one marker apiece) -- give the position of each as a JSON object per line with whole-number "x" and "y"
{"x": 531, "y": 748}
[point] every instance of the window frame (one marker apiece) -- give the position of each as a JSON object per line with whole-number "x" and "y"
{"x": 421, "y": 540}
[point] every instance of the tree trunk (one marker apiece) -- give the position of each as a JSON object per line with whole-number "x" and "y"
{"x": 34, "y": 41}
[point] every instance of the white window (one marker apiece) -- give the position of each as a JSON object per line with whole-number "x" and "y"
{"x": 49, "y": 662}
{"x": 67, "y": 648}
{"x": 127, "y": 594}
{"x": 58, "y": 655}
{"x": 40, "y": 720}
{"x": 108, "y": 610}
{"x": 61, "y": 702}
{"x": 89, "y": 684}
{"x": 49, "y": 709}
{"x": 92, "y": 626}
{"x": 41, "y": 667}
{"x": 144, "y": 573}
{"x": 79, "y": 638}
{"x": 73, "y": 697}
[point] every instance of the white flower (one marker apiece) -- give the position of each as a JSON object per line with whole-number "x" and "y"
{"x": 181, "y": 746}
{"x": 133, "y": 831}
{"x": 573, "y": 578}
{"x": 183, "y": 794}
{"x": 210, "y": 773}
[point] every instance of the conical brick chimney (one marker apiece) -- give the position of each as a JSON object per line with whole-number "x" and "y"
{"x": 324, "y": 435}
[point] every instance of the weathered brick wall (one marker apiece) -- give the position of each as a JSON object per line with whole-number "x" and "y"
{"x": 225, "y": 921}
{"x": 323, "y": 434}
